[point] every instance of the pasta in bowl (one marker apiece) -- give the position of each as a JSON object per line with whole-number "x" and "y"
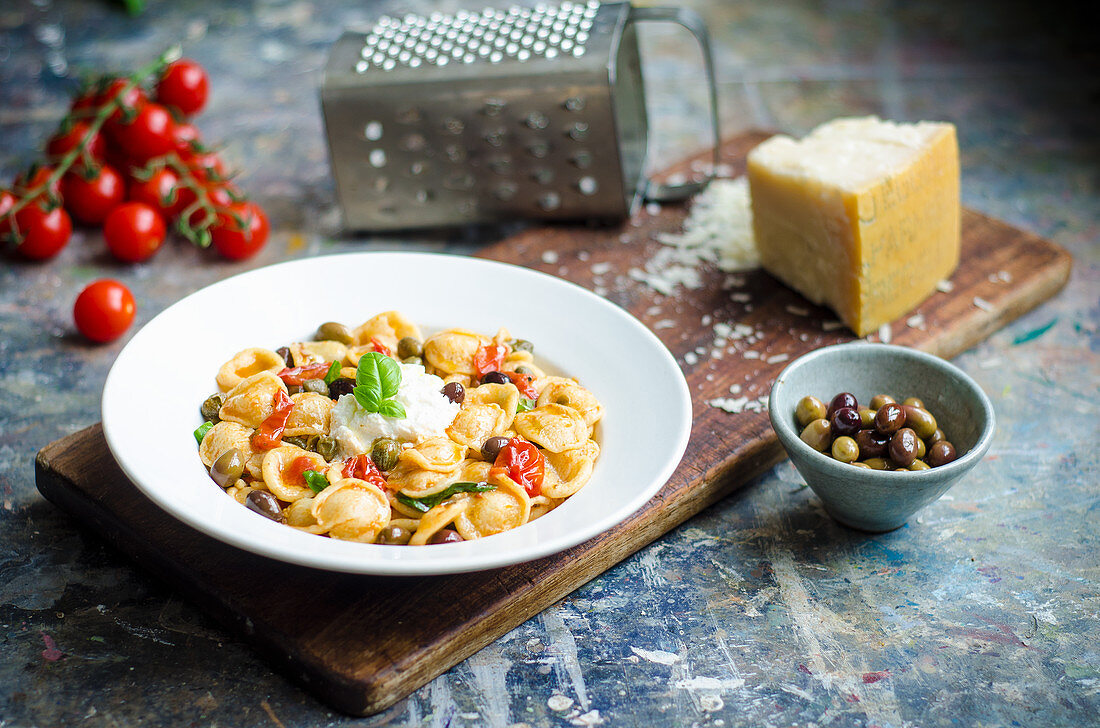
{"x": 178, "y": 359}
{"x": 378, "y": 434}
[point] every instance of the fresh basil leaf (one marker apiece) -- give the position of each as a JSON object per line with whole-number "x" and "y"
{"x": 333, "y": 371}
{"x": 367, "y": 398}
{"x": 525, "y": 405}
{"x": 366, "y": 373}
{"x": 426, "y": 503}
{"x": 392, "y": 408}
{"x": 201, "y": 431}
{"x": 316, "y": 481}
{"x": 390, "y": 373}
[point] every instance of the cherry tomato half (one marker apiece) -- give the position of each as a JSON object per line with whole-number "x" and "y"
{"x": 148, "y": 135}
{"x": 134, "y": 231}
{"x": 522, "y": 462}
{"x": 162, "y": 190}
{"x": 63, "y": 142}
{"x": 235, "y": 242}
{"x": 91, "y": 200}
{"x": 184, "y": 86}
{"x": 44, "y": 232}
{"x": 104, "y": 310}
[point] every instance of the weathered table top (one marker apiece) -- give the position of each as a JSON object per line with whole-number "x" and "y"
{"x": 760, "y": 611}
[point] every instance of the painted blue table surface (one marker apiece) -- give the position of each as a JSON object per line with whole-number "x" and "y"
{"x": 762, "y": 610}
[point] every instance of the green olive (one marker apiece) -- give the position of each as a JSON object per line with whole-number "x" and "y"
{"x": 913, "y": 402}
{"x": 921, "y": 420}
{"x": 919, "y": 465}
{"x": 327, "y": 447}
{"x": 332, "y": 331}
{"x": 523, "y": 345}
{"x": 866, "y": 417}
{"x": 876, "y": 464}
{"x": 412, "y": 360}
{"x": 228, "y": 468}
{"x": 809, "y": 408}
{"x": 211, "y": 406}
{"x": 317, "y": 386}
{"x": 935, "y": 437}
{"x": 845, "y": 449}
{"x": 921, "y": 448}
{"x": 818, "y": 434}
{"x": 880, "y": 399}
{"x": 860, "y": 465}
{"x": 384, "y": 453}
{"x": 306, "y": 442}
{"x": 408, "y": 346}
{"x": 395, "y": 535}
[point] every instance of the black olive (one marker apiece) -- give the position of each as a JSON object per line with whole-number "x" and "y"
{"x": 844, "y": 399}
{"x": 492, "y": 447}
{"x": 872, "y": 444}
{"x": 903, "y": 447}
{"x": 454, "y": 392}
{"x": 890, "y": 418}
{"x": 340, "y": 387}
{"x": 845, "y": 421}
{"x": 495, "y": 378}
{"x": 284, "y": 352}
{"x": 445, "y": 535}
{"x": 265, "y": 504}
{"x": 941, "y": 453}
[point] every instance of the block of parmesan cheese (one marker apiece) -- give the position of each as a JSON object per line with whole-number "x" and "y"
{"x": 861, "y": 215}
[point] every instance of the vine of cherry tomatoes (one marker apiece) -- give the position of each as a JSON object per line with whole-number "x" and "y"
{"x": 128, "y": 158}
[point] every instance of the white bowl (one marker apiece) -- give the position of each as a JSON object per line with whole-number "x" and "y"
{"x": 152, "y": 395}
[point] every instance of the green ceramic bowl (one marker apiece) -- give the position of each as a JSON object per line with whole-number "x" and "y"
{"x": 875, "y": 500}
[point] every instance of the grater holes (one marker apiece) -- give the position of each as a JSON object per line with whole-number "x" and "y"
{"x": 377, "y": 158}
{"x": 575, "y": 104}
{"x": 588, "y": 186}
{"x": 536, "y": 120}
{"x": 542, "y": 175}
{"x": 505, "y": 191}
{"x": 500, "y": 165}
{"x": 372, "y": 132}
{"x": 455, "y": 153}
{"x": 578, "y": 131}
{"x": 539, "y": 149}
{"x": 581, "y": 159}
{"x": 549, "y": 201}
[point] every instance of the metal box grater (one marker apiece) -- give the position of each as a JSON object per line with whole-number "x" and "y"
{"x": 525, "y": 112}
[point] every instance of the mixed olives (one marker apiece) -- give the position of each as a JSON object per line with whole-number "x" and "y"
{"x": 884, "y": 436}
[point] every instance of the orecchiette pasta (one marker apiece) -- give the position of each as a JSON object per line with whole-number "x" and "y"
{"x": 386, "y": 437}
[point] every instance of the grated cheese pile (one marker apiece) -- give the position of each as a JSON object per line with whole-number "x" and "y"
{"x": 718, "y": 231}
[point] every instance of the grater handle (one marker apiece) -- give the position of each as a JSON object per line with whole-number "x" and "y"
{"x": 690, "y": 20}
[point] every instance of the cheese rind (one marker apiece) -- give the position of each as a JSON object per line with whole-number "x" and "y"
{"x": 861, "y": 215}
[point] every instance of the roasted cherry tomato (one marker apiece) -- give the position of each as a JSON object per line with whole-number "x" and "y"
{"x": 379, "y": 346}
{"x": 63, "y": 142}
{"x": 489, "y": 358}
{"x": 184, "y": 86}
{"x": 525, "y": 383}
{"x": 235, "y": 242}
{"x": 297, "y": 375}
{"x": 522, "y": 462}
{"x": 134, "y": 231}
{"x": 363, "y": 468}
{"x": 149, "y": 134}
{"x": 91, "y": 200}
{"x": 43, "y": 233}
{"x": 270, "y": 432}
{"x": 104, "y": 310}
{"x": 163, "y": 191}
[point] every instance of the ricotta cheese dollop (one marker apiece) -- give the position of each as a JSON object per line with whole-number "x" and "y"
{"x": 428, "y": 413}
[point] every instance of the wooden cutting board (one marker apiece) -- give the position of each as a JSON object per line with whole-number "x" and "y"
{"x": 361, "y": 643}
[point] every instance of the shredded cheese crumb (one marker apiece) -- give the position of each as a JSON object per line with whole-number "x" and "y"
{"x": 983, "y": 304}
{"x": 549, "y": 257}
{"x": 945, "y": 286}
{"x": 885, "y": 333}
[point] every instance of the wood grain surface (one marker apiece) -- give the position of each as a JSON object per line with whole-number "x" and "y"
{"x": 361, "y": 643}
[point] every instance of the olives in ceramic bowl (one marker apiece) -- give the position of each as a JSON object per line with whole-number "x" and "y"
{"x": 861, "y": 497}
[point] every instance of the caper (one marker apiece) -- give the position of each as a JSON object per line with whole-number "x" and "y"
{"x": 872, "y": 443}
{"x": 880, "y": 399}
{"x": 394, "y": 535}
{"x": 492, "y": 447}
{"x": 922, "y": 450}
{"x": 890, "y": 418}
{"x": 228, "y": 468}
{"x": 454, "y": 392}
{"x": 845, "y": 449}
{"x": 936, "y": 437}
{"x": 914, "y": 402}
{"x": 332, "y": 331}
{"x": 294, "y": 389}
{"x": 211, "y": 406}
{"x": 876, "y": 464}
{"x": 921, "y": 420}
{"x": 919, "y": 465}
{"x": 941, "y": 453}
{"x": 327, "y": 447}
{"x": 317, "y": 386}
{"x": 809, "y": 408}
{"x": 903, "y": 447}
{"x": 408, "y": 346}
{"x": 340, "y": 387}
{"x": 523, "y": 345}
{"x": 866, "y": 417}
{"x": 818, "y": 435}
{"x": 412, "y": 360}
{"x": 265, "y": 504}
{"x": 284, "y": 352}
{"x": 306, "y": 442}
{"x": 525, "y": 371}
{"x": 384, "y": 453}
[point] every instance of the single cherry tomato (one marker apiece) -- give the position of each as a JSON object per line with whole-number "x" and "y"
{"x": 148, "y": 135}
{"x": 91, "y": 200}
{"x": 234, "y": 241}
{"x": 131, "y": 101}
{"x": 86, "y": 103}
{"x": 222, "y": 195}
{"x": 522, "y": 462}
{"x": 43, "y": 232}
{"x": 207, "y": 167}
{"x": 163, "y": 191}
{"x": 36, "y": 177}
{"x": 63, "y": 142}
{"x": 489, "y": 358}
{"x": 134, "y": 231}
{"x": 104, "y": 310}
{"x": 7, "y": 202}
{"x": 183, "y": 85}
{"x": 525, "y": 383}
{"x": 186, "y": 137}
{"x": 269, "y": 434}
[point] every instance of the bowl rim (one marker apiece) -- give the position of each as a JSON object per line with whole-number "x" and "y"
{"x": 794, "y": 444}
